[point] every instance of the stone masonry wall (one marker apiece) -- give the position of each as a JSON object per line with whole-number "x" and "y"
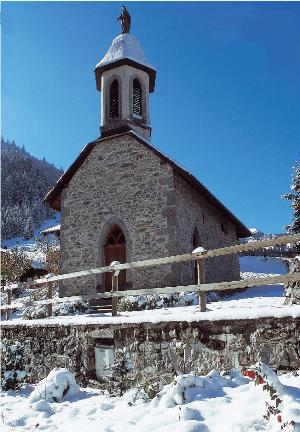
{"x": 194, "y": 211}
{"x": 158, "y": 350}
{"x": 121, "y": 182}
{"x": 124, "y": 182}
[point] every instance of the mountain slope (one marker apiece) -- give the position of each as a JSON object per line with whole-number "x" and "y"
{"x": 25, "y": 180}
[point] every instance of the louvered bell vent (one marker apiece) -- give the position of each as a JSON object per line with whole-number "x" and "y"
{"x": 137, "y": 98}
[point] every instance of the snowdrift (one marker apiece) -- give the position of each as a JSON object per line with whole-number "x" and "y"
{"x": 59, "y": 384}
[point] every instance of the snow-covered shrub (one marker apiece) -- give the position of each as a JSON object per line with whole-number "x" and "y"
{"x": 283, "y": 412}
{"x": 14, "y": 263}
{"x": 136, "y": 396}
{"x": 42, "y": 292}
{"x": 121, "y": 368}
{"x": 153, "y": 386}
{"x": 158, "y": 301}
{"x": 186, "y": 387}
{"x": 13, "y": 372}
{"x": 34, "y": 312}
{"x": 59, "y": 384}
{"x": 75, "y": 307}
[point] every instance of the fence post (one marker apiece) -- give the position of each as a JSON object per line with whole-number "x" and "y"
{"x": 49, "y": 297}
{"x": 114, "y": 288}
{"x": 8, "y": 310}
{"x": 201, "y": 280}
{"x": 115, "y": 283}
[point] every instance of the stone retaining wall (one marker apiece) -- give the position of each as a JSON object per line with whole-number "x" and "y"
{"x": 158, "y": 350}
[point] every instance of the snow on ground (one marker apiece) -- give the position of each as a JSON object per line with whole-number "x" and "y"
{"x": 234, "y": 308}
{"x": 30, "y": 244}
{"x": 226, "y": 402}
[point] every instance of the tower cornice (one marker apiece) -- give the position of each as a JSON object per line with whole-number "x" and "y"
{"x": 99, "y": 69}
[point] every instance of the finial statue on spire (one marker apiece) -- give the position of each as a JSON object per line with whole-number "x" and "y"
{"x": 125, "y": 20}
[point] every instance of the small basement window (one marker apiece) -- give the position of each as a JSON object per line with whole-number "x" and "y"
{"x": 104, "y": 358}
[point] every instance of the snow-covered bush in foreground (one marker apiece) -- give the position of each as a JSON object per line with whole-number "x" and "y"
{"x": 225, "y": 402}
{"x": 283, "y": 406}
{"x": 188, "y": 387}
{"x": 158, "y": 301}
{"x": 12, "y": 368}
{"x": 59, "y": 384}
{"x": 75, "y": 307}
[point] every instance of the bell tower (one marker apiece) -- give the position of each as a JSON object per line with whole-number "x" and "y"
{"x": 125, "y": 78}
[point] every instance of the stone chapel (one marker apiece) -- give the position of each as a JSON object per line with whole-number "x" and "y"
{"x": 122, "y": 199}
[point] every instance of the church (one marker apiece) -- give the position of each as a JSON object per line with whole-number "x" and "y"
{"x": 123, "y": 200}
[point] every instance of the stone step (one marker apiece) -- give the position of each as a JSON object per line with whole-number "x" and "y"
{"x": 101, "y": 309}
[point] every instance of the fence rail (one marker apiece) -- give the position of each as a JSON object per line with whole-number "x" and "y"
{"x": 216, "y": 286}
{"x": 201, "y": 286}
{"x": 159, "y": 261}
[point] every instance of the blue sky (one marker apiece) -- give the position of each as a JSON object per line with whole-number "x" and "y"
{"x": 226, "y": 104}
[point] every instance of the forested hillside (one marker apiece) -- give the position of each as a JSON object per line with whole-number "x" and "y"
{"x": 25, "y": 180}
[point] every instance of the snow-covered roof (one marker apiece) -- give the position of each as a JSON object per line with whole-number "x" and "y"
{"x": 51, "y": 230}
{"x": 125, "y": 46}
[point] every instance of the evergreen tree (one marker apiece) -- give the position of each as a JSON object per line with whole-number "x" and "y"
{"x": 28, "y": 230}
{"x": 25, "y": 180}
{"x": 14, "y": 263}
{"x": 294, "y": 197}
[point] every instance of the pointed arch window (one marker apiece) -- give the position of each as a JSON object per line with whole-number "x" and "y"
{"x": 115, "y": 236}
{"x": 137, "y": 98}
{"x": 114, "y": 99}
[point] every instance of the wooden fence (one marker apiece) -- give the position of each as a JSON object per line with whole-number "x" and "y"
{"x": 284, "y": 251}
{"x": 201, "y": 287}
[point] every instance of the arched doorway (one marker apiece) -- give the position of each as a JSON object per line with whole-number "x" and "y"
{"x": 115, "y": 250}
